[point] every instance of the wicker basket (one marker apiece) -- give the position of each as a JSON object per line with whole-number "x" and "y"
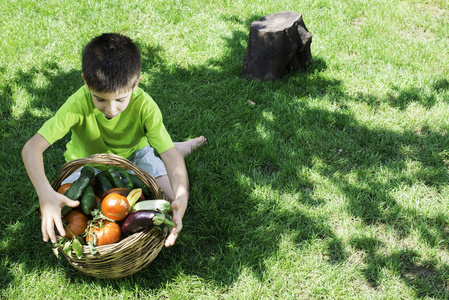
{"x": 131, "y": 254}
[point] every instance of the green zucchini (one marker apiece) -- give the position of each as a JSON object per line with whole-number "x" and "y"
{"x": 104, "y": 184}
{"x": 159, "y": 205}
{"x": 88, "y": 200}
{"x": 120, "y": 178}
{"x": 78, "y": 187}
{"x": 139, "y": 184}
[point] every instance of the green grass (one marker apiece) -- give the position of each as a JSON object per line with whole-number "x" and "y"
{"x": 334, "y": 185}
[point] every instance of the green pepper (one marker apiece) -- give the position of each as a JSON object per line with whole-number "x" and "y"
{"x": 138, "y": 183}
{"x": 120, "y": 178}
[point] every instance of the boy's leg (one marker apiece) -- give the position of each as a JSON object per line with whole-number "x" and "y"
{"x": 147, "y": 160}
{"x": 185, "y": 148}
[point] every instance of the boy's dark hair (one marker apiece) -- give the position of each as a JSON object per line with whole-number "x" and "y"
{"x": 111, "y": 63}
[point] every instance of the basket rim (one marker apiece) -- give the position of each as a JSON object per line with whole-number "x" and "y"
{"x": 106, "y": 159}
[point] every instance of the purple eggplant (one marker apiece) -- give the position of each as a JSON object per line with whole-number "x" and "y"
{"x": 139, "y": 220}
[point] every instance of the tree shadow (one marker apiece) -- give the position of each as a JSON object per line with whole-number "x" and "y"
{"x": 235, "y": 220}
{"x": 401, "y": 98}
{"x": 349, "y": 154}
{"x": 423, "y": 275}
{"x": 46, "y": 87}
{"x": 333, "y": 143}
{"x": 224, "y": 230}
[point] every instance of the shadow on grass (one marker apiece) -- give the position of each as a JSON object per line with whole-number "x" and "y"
{"x": 230, "y": 228}
{"x": 257, "y": 154}
{"x": 332, "y": 143}
{"x": 22, "y": 248}
{"x": 423, "y": 276}
{"x": 401, "y": 98}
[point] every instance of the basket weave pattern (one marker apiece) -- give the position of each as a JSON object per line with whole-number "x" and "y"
{"x": 131, "y": 254}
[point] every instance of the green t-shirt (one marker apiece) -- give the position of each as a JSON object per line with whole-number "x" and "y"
{"x": 139, "y": 125}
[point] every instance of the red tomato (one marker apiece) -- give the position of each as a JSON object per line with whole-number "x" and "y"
{"x": 108, "y": 233}
{"x": 75, "y": 223}
{"x": 115, "y": 206}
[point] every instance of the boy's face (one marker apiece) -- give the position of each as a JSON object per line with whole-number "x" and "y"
{"x": 111, "y": 104}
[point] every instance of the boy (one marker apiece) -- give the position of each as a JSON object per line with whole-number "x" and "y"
{"x": 110, "y": 114}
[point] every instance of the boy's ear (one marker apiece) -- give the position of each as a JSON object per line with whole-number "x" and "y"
{"x": 82, "y": 76}
{"x": 137, "y": 83}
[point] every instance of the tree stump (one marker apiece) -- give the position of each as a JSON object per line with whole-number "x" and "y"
{"x": 277, "y": 44}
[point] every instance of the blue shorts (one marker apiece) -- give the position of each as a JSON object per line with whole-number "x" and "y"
{"x": 143, "y": 158}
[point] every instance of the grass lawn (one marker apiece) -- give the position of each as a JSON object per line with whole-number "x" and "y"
{"x": 334, "y": 185}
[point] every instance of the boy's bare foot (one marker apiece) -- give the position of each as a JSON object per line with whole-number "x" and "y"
{"x": 185, "y": 148}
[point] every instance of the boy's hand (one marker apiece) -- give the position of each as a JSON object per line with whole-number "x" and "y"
{"x": 179, "y": 183}
{"x": 179, "y": 208}
{"x": 50, "y": 205}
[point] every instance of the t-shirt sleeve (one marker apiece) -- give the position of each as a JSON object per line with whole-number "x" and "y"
{"x": 60, "y": 124}
{"x": 157, "y": 134}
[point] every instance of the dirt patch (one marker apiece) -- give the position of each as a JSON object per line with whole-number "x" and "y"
{"x": 418, "y": 33}
{"x": 359, "y": 21}
{"x": 435, "y": 10}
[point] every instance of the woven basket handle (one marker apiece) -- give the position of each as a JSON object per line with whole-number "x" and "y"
{"x": 111, "y": 160}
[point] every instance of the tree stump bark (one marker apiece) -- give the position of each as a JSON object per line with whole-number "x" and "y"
{"x": 277, "y": 44}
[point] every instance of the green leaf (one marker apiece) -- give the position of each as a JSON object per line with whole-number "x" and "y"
{"x": 81, "y": 240}
{"x": 68, "y": 248}
{"x": 56, "y": 251}
{"x": 78, "y": 248}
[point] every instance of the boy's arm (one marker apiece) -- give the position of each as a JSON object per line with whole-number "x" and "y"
{"x": 179, "y": 181}
{"x": 50, "y": 201}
